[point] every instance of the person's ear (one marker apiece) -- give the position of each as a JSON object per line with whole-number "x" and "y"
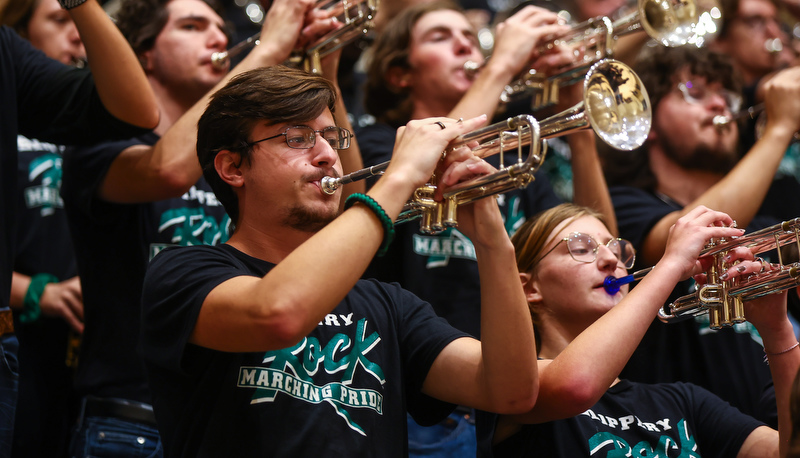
{"x": 146, "y": 60}
{"x": 531, "y": 287}
{"x": 228, "y": 165}
{"x": 398, "y": 78}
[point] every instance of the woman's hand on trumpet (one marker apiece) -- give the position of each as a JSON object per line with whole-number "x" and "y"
{"x": 690, "y": 234}
{"x": 765, "y": 313}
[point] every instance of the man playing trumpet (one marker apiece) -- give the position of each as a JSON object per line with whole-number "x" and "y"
{"x": 273, "y": 339}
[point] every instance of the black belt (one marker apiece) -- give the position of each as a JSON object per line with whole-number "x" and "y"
{"x": 122, "y": 409}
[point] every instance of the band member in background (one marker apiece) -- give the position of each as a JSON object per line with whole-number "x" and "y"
{"x": 143, "y": 194}
{"x": 47, "y": 100}
{"x": 689, "y": 161}
{"x": 45, "y": 290}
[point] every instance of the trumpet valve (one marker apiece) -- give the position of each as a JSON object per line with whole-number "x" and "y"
{"x": 714, "y": 318}
{"x": 449, "y": 213}
{"x": 738, "y": 310}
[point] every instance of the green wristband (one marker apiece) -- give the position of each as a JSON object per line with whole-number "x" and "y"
{"x": 31, "y": 311}
{"x": 386, "y": 222}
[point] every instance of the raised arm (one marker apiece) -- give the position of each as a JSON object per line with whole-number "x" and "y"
{"x": 741, "y": 192}
{"x": 351, "y": 157}
{"x": 120, "y": 80}
{"x": 499, "y": 372}
{"x": 517, "y": 40}
{"x": 770, "y": 317}
{"x": 145, "y": 173}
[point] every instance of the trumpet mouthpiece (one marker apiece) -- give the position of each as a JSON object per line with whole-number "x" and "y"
{"x": 219, "y": 59}
{"x": 471, "y": 67}
{"x": 720, "y": 121}
{"x": 774, "y": 45}
{"x": 329, "y": 185}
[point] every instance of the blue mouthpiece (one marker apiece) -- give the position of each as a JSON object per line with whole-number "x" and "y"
{"x": 612, "y": 284}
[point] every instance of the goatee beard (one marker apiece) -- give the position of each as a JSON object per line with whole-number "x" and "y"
{"x": 303, "y": 219}
{"x": 706, "y": 158}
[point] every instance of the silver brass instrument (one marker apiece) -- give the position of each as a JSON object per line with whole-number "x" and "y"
{"x": 615, "y": 104}
{"x": 670, "y": 22}
{"x": 355, "y": 15}
{"x": 755, "y": 112}
{"x": 724, "y": 300}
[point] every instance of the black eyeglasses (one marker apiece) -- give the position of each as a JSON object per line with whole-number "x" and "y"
{"x": 304, "y": 137}
{"x": 583, "y": 248}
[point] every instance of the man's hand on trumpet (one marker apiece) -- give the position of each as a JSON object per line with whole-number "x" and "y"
{"x": 518, "y": 39}
{"x": 481, "y": 220}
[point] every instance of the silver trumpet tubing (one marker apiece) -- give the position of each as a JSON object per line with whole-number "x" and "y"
{"x": 615, "y": 105}
{"x": 355, "y": 15}
{"x": 756, "y": 112}
{"x": 670, "y": 22}
{"x": 721, "y": 121}
{"x": 723, "y": 300}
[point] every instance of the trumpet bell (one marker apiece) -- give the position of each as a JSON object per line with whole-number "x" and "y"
{"x": 617, "y": 105}
{"x": 670, "y": 22}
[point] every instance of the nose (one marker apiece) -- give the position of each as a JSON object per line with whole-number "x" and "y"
{"x": 323, "y": 153}
{"x": 607, "y": 261}
{"x": 217, "y": 38}
{"x": 462, "y": 44}
{"x": 772, "y": 28}
{"x": 72, "y": 34}
{"x": 716, "y": 102}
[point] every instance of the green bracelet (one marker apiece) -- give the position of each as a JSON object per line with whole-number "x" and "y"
{"x": 386, "y": 222}
{"x": 31, "y": 311}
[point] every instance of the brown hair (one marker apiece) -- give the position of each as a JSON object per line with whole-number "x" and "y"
{"x": 388, "y": 103}
{"x": 531, "y": 239}
{"x": 18, "y": 14}
{"x": 274, "y": 95}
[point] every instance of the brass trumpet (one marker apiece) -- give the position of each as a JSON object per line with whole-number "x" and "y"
{"x": 355, "y": 15}
{"x": 670, "y": 22}
{"x": 615, "y": 104}
{"x": 724, "y": 300}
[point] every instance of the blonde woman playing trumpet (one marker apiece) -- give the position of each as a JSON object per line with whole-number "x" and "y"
{"x": 585, "y": 335}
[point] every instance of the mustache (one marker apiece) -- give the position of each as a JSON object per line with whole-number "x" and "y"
{"x": 320, "y": 174}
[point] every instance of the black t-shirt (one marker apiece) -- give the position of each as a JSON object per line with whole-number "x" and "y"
{"x": 41, "y": 98}
{"x": 442, "y": 268}
{"x": 113, "y": 244}
{"x": 634, "y": 419}
{"x": 342, "y": 391}
{"x": 729, "y": 362}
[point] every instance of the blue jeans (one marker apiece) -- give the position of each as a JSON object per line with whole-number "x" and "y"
{"x": 102, "y": 437}
{"x": 454, "y": 437}
{"x": 9, "y": 387}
